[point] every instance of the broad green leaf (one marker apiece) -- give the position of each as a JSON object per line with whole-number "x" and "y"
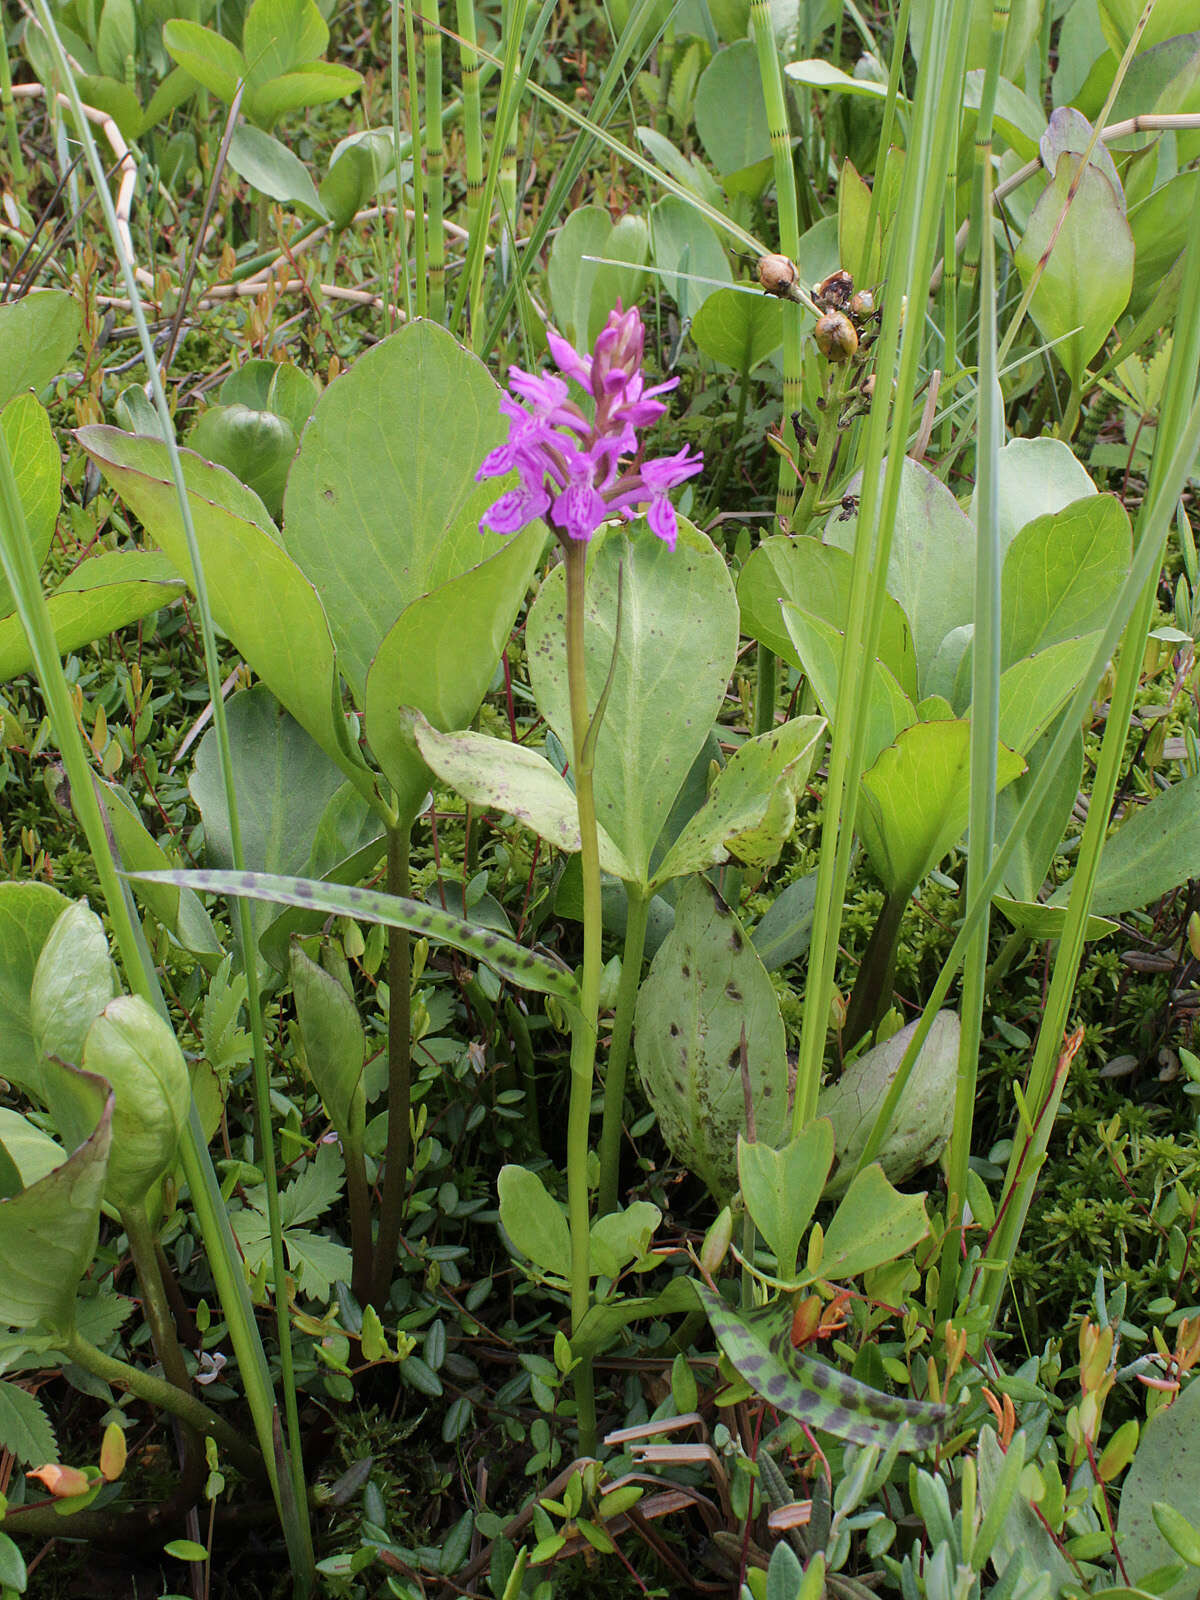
{"x": 1035, "y": 478}
{"x": 25, "y": 1429}
{"x": 1165, "y": 1469}
{"x": 282, "y": 780}
{"x": 621, "y": 1237}
{"x": 819, "y": 648}
{"x": 259, "y": 596}
{"x": 873, "y": 1224}
{"x": 818, "y": 74}
{"x": 28, "y": 911}
{"x": 1030, "y": 861}
{"x": 1153, "y": 851}
{"x": 730, "y": 117}
{"x": 334, "y": 1045}
{"x": 116, "y": 37}
{"x": 38, "y": 334}
{"x": 255, "y": 445}
{"x": 685, "y": 243}
{"x": 603, "y": 1322}
{"x": 1022, "y": 1534}
{"x": 104, "y": 593}
{"x": 280, "y": 35}
{"x": 511, "y": 778}
{"x": 759, "y": 1345}
{"x": 210, "y": 58}
{"x": 272, "y": 169}
{"x": 38, "y": 471}
{"x": 858, "y": 254}
{"x": 738, "y": 330}
{"x": 1070, "y": 130}
{"x": 585, "y": 232}
{"x": 815, "y": 577}
{"x": 1181, "y": 1534}
{"x": 117, "y": 100}
{"x": 382, "y": 505}
{"x": 628, "y": 241}
{"x": 675, "y": 648}
{"x": 179, "y": 911}
{"x": 1168, "y": 18}
{"x": 1039, "y": 921}
{"x": 48, "y": 1233}
{"x": 356, "y": 171}
{"x": 72, "y": 984}
{"x": 313, "y": 85}
{"x": 526, "y": 968}
{"x": 1034, "y": 690}
{"x": 1062, "y": 574}
{"x": 131, "y": 1046}
{"x": 275, "y": 386}
{"x": 931, "y": 570}
{"x": 751, "y": 808}
{"x": 33, "y": 1152}
{"x": 705, "y": 988}
{"x": 915, "y": 800}
{"x": 785, "y": 931}
{"x": 690, "y": 171}
{"x": 924, "y": 1113}
{"x": 534, "y": 1220}
{"x": 1089, "y": 273}
{"x": 781, "y": 1188}
{"x": 429, "y": 661}
{"x": 1159, "y": 225}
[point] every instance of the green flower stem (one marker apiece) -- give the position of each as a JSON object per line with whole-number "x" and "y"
{"x": 638, "y": 904}
{"x": 395, "y": 1177}
{"x": 468, "y": 38}
{"x": 583, "y": 1032}
{"x": 400, "y": 142}
{"x": 166, "y": 1397}
{"x": 8, "y": 108}
{"x": 418, "y": 165}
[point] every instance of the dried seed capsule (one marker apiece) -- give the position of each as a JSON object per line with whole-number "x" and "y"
{"x": 836, "y": 336}
{"x": 777, "y": 275}
{"x": 835, "y": 291}
{"x": 862, "y": 304}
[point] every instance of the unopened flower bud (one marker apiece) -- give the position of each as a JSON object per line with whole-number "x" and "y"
{"x": 862, "y": 304}
{"x": 717, "y": 1241}
{"x": 836, "y": 337}
{"x": 777, "y": 275}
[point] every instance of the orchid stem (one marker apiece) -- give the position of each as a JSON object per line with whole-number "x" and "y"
{"x": 638, "y": 902}
{"x": 583, "y": 1035}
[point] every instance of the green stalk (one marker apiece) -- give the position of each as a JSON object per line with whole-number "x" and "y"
{"x": 473, "y": 140}
{"x": 435, "y": 160}
{"x": 398, "y": 156}
{"x": 294, "y": 1520}
{"x": 143, "y": 1247}
{"x": 583, "y": 1031}
{"x": 166, "y": 1397}
{"x": 912, "y": 243}
{"x": 637, "y": 914}
{"x": 770, "y": 75}
{"x": 506, "y": 177}
{"x": 418, "y": 167}
{"x": 395, "y": 1177}
{"x": 8, "y": 108}
{"x": 986, "y": 667}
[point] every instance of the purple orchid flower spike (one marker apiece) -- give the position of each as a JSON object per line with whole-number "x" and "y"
{"x": 569, "y": 466}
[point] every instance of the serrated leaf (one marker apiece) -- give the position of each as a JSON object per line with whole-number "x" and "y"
{"x": 25, "y": 1430}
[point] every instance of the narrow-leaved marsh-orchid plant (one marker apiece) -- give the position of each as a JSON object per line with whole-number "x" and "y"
{"x": 576, "y": 471}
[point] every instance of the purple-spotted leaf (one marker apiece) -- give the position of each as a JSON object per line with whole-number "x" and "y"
{"x": 759, "y": 1345}
{"x": 527, "y": 968}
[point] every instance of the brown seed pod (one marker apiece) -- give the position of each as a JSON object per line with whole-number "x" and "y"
{"x": 777, "y": 275}
{"x": 834, "y": 292}
{"x": 836, "y": 336}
